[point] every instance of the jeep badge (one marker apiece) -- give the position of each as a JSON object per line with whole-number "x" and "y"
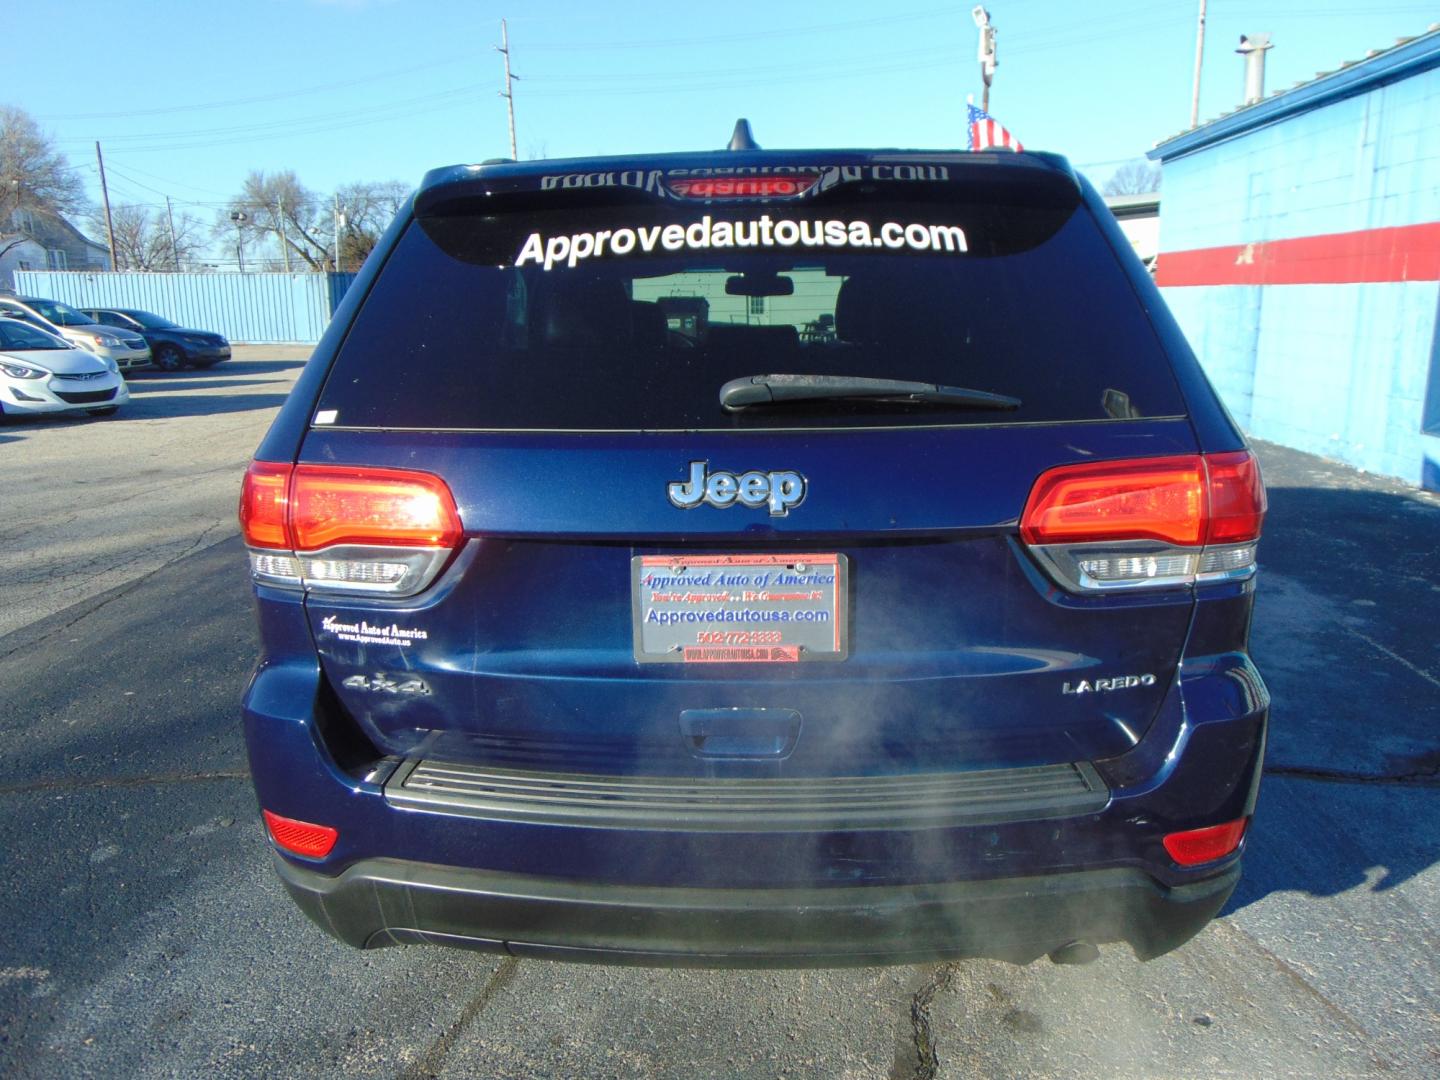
{"x": 779, "y": 490}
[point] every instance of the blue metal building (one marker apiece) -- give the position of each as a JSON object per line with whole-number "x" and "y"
{"x": 1300, "y": 250}
{"x": 250, "y": 308}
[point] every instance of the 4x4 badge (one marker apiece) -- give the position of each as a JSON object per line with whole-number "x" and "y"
{"x": 779, "y": 490}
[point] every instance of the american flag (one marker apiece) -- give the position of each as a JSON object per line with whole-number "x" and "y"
{"x": 986, "y": 132}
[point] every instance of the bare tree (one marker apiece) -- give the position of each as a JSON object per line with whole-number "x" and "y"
{"x": 1134, "y": 178}
{"x": 33, "y": 174}
{"x": 278, "y": 208}
{"x": 143, "y": 240}
{"x": 366, "y": 209}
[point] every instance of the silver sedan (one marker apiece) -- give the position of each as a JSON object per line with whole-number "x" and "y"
{"x": 42, "y": 373}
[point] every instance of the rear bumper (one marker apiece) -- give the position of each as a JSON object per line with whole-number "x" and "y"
{"x": 381, "y": 902}
{"x": 541, "y": 864}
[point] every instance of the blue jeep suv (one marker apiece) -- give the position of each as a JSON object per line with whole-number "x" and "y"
{"x": 755, "y": 558}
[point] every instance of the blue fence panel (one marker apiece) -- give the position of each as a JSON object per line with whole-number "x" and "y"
{"x": 260, "y": 308}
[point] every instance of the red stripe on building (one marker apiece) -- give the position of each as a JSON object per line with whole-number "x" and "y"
{"x": 1404, "y": 253}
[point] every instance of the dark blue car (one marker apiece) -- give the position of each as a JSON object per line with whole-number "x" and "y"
{"x": 172, "y": 346}
{"x": 756, "y": 558}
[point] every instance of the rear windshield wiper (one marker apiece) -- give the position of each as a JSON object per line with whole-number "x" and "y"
{"x": 742, "y": 393}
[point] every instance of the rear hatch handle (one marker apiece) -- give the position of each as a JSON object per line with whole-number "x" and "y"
{"x": 740, "y": 733}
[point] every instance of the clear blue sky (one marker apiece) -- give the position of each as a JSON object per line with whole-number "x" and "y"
{"x": 188, "y": 95}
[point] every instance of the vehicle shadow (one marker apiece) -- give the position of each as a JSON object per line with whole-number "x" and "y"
{"x": 1344, "y": 635}
{"x": 237, "y": 366}
{"x": 142, "y": 913}
{"x": 151, "y": 407}
{"x": 194, "y": 384}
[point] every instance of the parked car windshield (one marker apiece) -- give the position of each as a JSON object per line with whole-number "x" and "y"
{"x": 18, "y": 336}
{"x": 60, "y": 314}
{"x": 150, "y": 321}
{"x": 477, "y": 323}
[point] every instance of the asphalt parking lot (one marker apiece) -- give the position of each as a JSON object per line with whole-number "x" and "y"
{"x": 146, "y": 935}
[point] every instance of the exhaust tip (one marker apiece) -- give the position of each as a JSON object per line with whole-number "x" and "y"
{"x": 1077, "y": 952}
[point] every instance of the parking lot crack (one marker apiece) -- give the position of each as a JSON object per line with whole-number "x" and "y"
{"x": 919, "y": 1058}
{"x": 23, "y": 639}
{"x": 1416, "y": 778}
{"x": 429, "y": 1063}
{"x": 91, "y": 783}
{"x": 1289, "y": 972}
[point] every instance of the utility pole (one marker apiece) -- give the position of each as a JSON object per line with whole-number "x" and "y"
{"x": 284, "y": 240}
{"x": 508, "y": 93}
{"x": 1199, "y": 56}
{"x": 986, "y": 52}
{"x": 339, "y": 221}
{"x": 105, "y": 195}
{"x": 174, "y": 244}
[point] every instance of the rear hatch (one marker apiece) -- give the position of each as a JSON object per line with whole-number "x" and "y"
{"x": 650, "y": 581}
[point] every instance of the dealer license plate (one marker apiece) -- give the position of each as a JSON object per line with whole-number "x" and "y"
{"x": 739, "y": 609}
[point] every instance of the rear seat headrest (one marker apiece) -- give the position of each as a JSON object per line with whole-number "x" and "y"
{"x": 649, "y": 323}
{"x": 581, "y": 312}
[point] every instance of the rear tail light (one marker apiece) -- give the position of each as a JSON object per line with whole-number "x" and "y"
{"x": 300, "y": 837}
{"x": 1147, "y": 522}
{"x": 1195, "y": 846}
{"x": 344, "y": 529}
{"x": 263, "y": 517}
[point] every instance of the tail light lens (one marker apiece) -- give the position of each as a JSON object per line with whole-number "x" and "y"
{"x": 1147, "y": 522}
{"x": 343, "y": 529}
{"x": 300, "y": 837}
{"x": 387, "y": 507}
{"x": 263, "y": 500}
{"x": 1196, "y": 846}
{"x": 1147, "y": 499}
{"x": 1237, "y": 498}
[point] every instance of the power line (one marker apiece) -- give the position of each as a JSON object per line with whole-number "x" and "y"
{"x": 124, "y": 175}
{"x": 808, "y": 30}
{"x": 320, "y": 129}
{"x": 845, "y": 64}
{"x": 261, "y": 127}
{"x": 168, "y": 180}
{"x": 197, "y": 138}
{"x": 260, "y": 99}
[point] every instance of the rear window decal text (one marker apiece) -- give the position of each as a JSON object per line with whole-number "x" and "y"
{"x": 762, "y": 232}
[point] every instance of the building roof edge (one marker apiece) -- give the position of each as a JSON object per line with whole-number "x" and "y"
{"x": 1409, "y": 56}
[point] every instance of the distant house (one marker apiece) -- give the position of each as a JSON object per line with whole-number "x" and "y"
{"x": 1139, "y": 218}
{"x": 18, "y": 252}
{"x": 46, "y": 241}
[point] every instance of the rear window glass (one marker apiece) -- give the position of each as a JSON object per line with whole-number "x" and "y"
{"x": 633, "y": 317}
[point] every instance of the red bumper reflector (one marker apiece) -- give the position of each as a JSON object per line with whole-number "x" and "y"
{"x": 1195, "y": 846}
{"x": 301, "y": 837}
